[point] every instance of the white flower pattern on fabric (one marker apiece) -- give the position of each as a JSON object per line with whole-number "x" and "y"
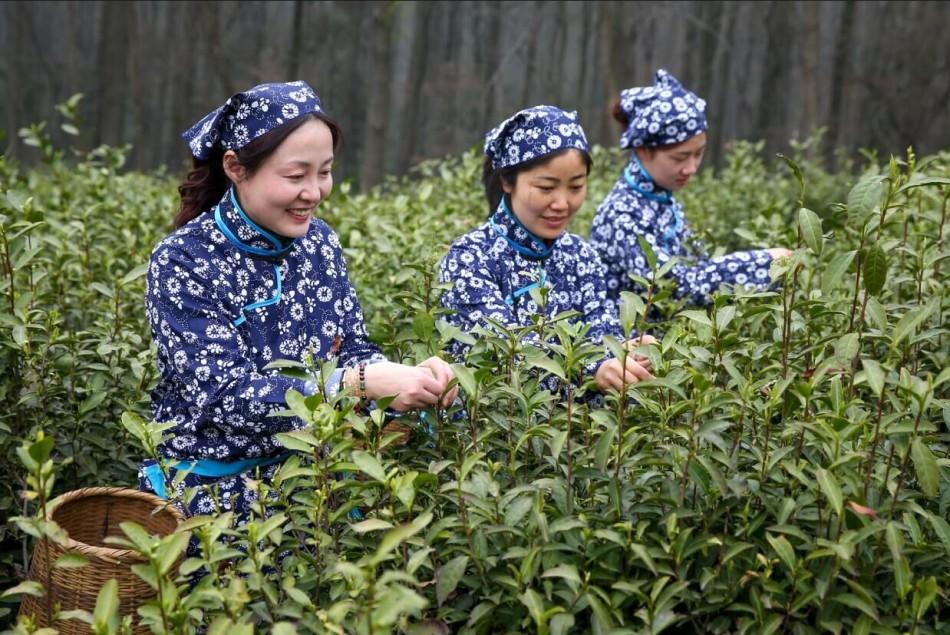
{"x": 533, "y": 132}
{"x": 209, "y": 365}
{"x": 487, "y": 272}
{"x": 627, "y": 213}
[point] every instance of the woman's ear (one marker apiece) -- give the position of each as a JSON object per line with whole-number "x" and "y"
{"x": 232, "y": 167}
{"x": 506, "y": 185}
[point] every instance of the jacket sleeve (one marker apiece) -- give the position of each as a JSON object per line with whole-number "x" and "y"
{"x": 697, "y": 276}
{"x": 475, "y": 296}
{"x": 355, "y": 346}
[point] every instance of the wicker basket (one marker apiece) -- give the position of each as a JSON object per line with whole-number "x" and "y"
{"x": 88, "y": 516}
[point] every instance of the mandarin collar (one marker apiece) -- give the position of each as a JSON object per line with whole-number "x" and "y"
{"x": 504, "y": 223}
{"x": 639, "y": 180}
{"x": 245, "y": 234}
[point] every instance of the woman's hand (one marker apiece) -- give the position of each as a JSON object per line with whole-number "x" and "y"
{"x": 643, "y": 340}
{"x": 778, "y": 253}
{"x": 414, "y": 386}
{"x": 443, "y": 373}
{"x": 612, "y": 375}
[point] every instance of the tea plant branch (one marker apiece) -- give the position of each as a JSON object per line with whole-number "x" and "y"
{"x": 903, "y": 467}
{"x": 788, "y": 304}
{"x": 8, "y": 267}
{"x": 570, "y": 457}
{"x": 874, "y": 444}
{"x": 621, "y": 411}
{"x": 689, "y": 452}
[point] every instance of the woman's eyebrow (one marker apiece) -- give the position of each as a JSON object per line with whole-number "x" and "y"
{"x": 557, "y": 180}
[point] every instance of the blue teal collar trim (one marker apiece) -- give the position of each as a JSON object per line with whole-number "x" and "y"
{"x": 504, "y": 223}
{"x": 640, "y": 180}
{"x": 265, "y": 244}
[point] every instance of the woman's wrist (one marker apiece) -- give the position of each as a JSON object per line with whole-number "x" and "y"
{"x": 354, "y": 381}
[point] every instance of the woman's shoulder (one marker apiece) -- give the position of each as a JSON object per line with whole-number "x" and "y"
{"x": 474, "y": 240}
{"x": 194, "y": 238}
{"x": 621, "y": 198}
{"x": 320, "y": 234}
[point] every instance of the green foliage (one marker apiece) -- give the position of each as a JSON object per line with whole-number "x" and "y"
{"x": 785, "y": 471}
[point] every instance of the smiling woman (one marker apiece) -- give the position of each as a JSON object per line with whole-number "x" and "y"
{"x": 297, "y": 177}
{"x": 249, "y": 276}
{"x": 535, "y": 178}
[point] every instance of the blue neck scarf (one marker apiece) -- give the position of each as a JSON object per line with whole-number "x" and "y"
{"x": 504, "y": 223}
{"x": 232, "y": 220}
{"x": 640, "y": 181}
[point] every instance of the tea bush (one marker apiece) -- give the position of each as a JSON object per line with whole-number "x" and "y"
{"x": 786, "y": 470}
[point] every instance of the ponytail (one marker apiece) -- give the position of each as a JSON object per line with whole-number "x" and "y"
{"x": 618, "y": 114}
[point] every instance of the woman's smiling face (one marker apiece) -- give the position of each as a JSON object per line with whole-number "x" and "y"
{"x": 283, "y": 192}
{"x": 545, "y": 197}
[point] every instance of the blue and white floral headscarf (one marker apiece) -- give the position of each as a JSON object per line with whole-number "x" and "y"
{"x": 662, "y": 114}
{"x": 247, "y": 115}
{"x": 532, "y": 133}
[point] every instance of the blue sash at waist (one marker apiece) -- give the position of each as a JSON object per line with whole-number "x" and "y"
{"x": 206, "y": 467}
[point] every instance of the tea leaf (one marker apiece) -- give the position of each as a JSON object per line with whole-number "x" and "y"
{"x": 928, "y": 473}
{"x": 855, "y": 602}
{"x": 864, "y": 197}
{"x": 370, "y": 524}
{"x": 895, "y": 541}
{"x": 448, "y": 577}
{"x": 784, "y": 550}
{"x": 810, "y": 227}
{"x": 106, "y": 614}
{"x": 874, "y": 375}
{"x": 369, "y": 465}
{"x": 833, "y": 274}
{"x": 912, "y": 319}
{"x": 874, "y": 269}
{"x": 831, "y": 489}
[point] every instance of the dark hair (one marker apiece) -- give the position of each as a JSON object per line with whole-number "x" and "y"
{"x": 206, "y": 183}
{"x": 493, "y": 180}
{"x": 618, "y": 114}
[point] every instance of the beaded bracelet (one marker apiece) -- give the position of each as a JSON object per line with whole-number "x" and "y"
{"x": 349, "y": 381}
{"x": 354, "y": 381}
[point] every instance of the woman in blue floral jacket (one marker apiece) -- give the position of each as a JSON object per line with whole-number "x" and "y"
{"x": 665, "y": 127}
{"x": 535, "y": 179}
{"x": 249, "y": 277}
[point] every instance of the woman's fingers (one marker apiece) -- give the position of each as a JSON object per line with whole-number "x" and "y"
{"x": 643, "y": 361}
{"x": 643, "y": 339}
{"x": 635, "y": 371}
{"x": 428, "y": 389}
{"x": 443, "y": 373}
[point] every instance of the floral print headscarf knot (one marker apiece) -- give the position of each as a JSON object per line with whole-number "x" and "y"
{"x": 662, "y": 114}
{"x": 246, "y": 116}
{"x": 531, "y": 133}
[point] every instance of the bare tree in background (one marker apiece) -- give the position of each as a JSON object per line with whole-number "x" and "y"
{"x": 416, "y": 80}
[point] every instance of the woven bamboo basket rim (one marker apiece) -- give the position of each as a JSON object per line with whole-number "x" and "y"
{"x": 110, "y": 553}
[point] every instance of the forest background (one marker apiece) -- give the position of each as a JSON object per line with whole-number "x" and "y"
{"x": 410, "y": 81}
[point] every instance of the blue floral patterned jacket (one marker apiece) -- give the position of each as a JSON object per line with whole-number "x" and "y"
{"x": 494, "y": 267}
{"x": 636, "y": 206}
{"x": 224, "y": 298}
